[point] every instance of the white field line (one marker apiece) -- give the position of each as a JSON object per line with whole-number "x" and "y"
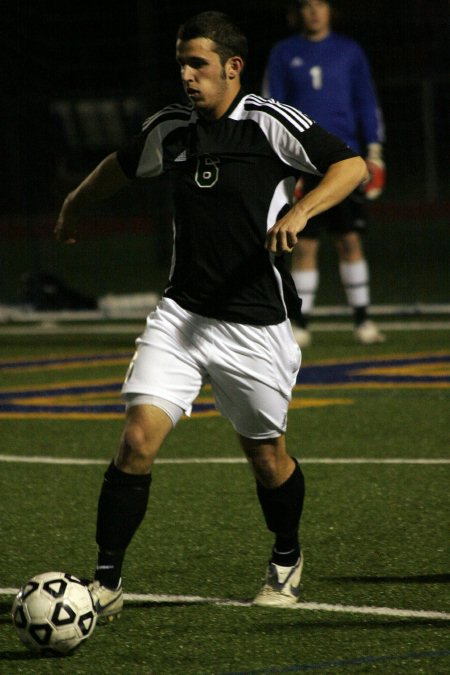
{"x": 307, "y": 606}
{"x": 35, "y": 459}
{"x": 311, "y": 606}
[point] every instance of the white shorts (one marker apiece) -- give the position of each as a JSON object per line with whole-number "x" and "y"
{"x": 251, "y": 369}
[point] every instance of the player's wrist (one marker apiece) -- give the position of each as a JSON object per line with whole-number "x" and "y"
{"x": 374, "y": 152}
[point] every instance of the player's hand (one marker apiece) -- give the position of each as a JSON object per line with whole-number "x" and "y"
{"x": 374, "y": 185}
{"x": 282, "y": 237}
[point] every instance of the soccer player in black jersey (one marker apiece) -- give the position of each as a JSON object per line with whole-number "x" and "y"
{"x": 224, "y": 317}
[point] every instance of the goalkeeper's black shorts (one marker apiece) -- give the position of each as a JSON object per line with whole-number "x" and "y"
{"x": 350, "y": 215}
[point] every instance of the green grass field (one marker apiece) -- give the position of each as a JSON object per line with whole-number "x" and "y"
{"x": 375, "y": 590}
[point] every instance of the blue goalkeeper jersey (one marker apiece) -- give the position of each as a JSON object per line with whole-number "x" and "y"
{"x": 329, "y": 80}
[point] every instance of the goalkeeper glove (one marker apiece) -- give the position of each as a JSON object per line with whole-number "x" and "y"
{"x": 298, "y": 190}
{"x": 374, "y": 185}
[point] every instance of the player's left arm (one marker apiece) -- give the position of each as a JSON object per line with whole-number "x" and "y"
{"x": 340, "y": 179}
{"x": 103, "y": 182}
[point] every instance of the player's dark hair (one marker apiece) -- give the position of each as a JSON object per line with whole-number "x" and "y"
{"x": 228, "y": 37}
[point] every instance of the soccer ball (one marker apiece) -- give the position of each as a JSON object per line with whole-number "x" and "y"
{"x": 53, "y": 613}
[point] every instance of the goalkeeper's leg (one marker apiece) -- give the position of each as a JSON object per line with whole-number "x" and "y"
{"x": 354, "y": 273}
{"x": 305, "y": 275}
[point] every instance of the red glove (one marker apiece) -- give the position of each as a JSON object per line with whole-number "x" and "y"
{"x": 374, "y": 185}
{"x": 298, "y": 190}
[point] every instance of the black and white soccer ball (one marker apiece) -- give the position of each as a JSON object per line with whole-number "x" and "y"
{"x": 53, "y": 613}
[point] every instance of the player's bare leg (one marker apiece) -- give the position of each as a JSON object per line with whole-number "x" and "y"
{"x": 146, "y": 428}
{"x": 269, "y": 460}
{"x": 280, "y": 489}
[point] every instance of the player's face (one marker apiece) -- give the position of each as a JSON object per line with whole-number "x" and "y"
{"x": 209, "y": 85}
{"x": 316, "y": 17}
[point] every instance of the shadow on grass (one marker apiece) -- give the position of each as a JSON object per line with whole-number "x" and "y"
{"x": 5, "y": 612}
{"x": 414, "y": 579}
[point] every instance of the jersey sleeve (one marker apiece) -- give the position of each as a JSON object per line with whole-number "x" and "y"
{"x": 144, "y": 156}
{"x": 295, "y": 138}
{"x": 128, "y": 156}
{"x": 324, "y": 149}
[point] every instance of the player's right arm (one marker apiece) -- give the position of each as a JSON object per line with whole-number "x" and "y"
{"x": 104, "y": 181}
{"x": 340, "y": 179}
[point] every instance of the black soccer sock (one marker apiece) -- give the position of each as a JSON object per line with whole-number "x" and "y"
{"x": 282, "y": 508}
{"x": 359, "y": 315}
{"x": 121, "y": 508}
{"x": 109, "y": 568}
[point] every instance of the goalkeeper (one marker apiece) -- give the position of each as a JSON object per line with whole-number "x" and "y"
{"x": 327, "y": 76}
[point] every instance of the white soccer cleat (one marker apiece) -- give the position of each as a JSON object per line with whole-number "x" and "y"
{"x": 107, "y": 603}
{"x": 367, "y": 333}
{"x": 281, "y": 586}
{"x": 302, "y": 336}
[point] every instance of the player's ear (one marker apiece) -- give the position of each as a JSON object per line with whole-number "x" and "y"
{"x": 234, "y": 67}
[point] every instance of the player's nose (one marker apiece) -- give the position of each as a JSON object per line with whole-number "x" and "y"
{"x": 187, "y": 73}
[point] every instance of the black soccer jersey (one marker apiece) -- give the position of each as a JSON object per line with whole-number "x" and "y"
{"x": 232, "y": 178}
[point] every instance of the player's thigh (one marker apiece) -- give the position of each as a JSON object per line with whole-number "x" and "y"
{"x": 252, "y": 378}
{"x": 164, "y": 366}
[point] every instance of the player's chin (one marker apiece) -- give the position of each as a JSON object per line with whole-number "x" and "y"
{"x": 195, "y": 98}
{"x": 199, "y": 104}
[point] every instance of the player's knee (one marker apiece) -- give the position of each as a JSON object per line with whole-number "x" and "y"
{"x": 136, "y": 446}
{"x": 263, "y": 465}
{"x": 269, "y": 467}
{"x": 349, "y": 247}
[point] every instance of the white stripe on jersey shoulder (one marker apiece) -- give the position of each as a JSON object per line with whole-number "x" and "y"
{"x": 282, "y": 126}
{"x": 175, "y": 110}
{"x": 272, "y": 107}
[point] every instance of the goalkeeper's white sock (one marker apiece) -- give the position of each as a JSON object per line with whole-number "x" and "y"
{"x": 355, "y": 279}
{"x": 306, "y": 283}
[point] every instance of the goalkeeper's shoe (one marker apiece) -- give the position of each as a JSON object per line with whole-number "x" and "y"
{"x": 281, "y": 586}
{"x": 107, "y": 603}
{"x": 367, "y": 333}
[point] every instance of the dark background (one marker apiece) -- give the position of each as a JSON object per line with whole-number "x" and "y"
{"x": 78, "y": 79}
{"x": 64, "y": 51}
